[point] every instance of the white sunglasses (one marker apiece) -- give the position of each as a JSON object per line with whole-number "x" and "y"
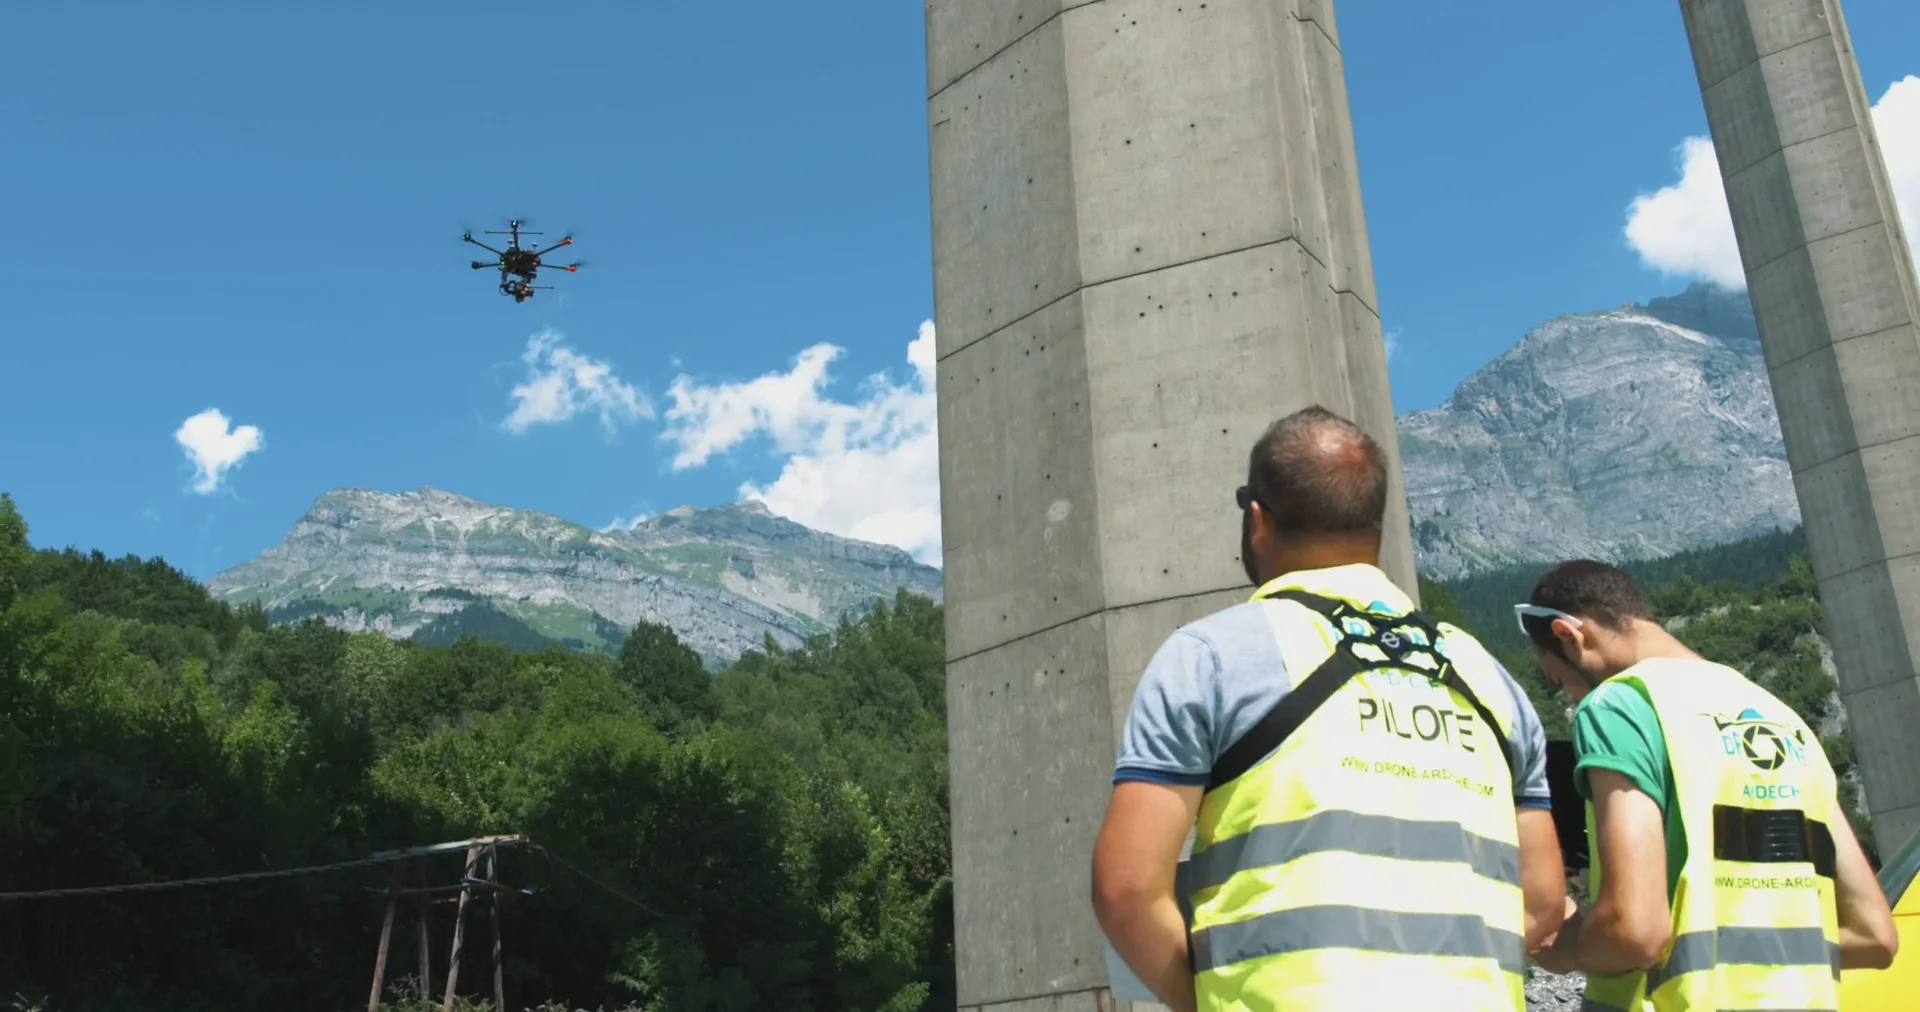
{"x": 1521, "y": 611}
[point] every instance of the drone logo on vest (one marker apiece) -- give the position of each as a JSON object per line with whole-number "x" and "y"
{"x": 1764, "y": 743}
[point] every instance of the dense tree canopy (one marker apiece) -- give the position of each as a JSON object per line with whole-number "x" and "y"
{"x": 774, "y": 838}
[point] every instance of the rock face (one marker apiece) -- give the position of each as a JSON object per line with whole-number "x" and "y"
{"x": 1632, "y": 433}
{"x": 722, "y": 578}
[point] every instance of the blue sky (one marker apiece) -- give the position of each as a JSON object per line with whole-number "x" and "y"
{"x": 254, "y": 210}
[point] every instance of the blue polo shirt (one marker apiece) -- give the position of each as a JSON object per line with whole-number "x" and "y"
{"x": 1213, "y": 679}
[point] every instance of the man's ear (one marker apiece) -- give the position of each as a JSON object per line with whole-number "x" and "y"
{"x": 1572, "y": 640}
{"x": 1262, "y": 529}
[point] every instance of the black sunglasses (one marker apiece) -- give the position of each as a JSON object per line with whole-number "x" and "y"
{"x": 1244, "y": 496}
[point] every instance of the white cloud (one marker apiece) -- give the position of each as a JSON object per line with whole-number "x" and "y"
{"x": 1685, "y": 229}
{"x": 866, "y": 469}
{"x": 1896, "y": 121}
{"x": 1393, "y": 343}
{"x": 215, "y": 447}
{"x": 620, "y": 523}
{"x": 562, "y": 383}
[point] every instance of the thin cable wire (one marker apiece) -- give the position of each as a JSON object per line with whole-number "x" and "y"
{"x": 251, "y": 876}
{"x": 570, "y": 866}
{"x": 187, "y": 882}
{"x": 378, "y": 859}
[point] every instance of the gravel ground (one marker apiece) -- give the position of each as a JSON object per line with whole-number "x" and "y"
{"x": 1551, "y": 992}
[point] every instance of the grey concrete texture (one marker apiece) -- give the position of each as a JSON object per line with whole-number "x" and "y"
{"x": 1149, "y": 244}
{"x": 1035, "y": 721}
{"x": 1835, "y": 296}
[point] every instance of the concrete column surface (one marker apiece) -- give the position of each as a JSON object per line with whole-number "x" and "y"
{"x": 1833, "y": 290}
{"x": 1149, "y": 244}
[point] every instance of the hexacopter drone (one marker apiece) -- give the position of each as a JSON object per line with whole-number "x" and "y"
{"x": 519, "y": 265}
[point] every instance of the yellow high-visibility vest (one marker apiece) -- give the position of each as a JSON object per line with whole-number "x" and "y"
{"x": 1373, "y": 860}
{"x": 1754, "y": 920}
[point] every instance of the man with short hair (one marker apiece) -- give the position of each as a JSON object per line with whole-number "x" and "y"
{"x": 1366, "y": 791}
{"x": 1725, "y": 872}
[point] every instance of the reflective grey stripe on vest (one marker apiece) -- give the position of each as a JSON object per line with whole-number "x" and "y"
{"x": 1703, "y": 950}
{"x": 1594, "y": 1005}
{"x": 1334, "y": 927}
{"x": 1353, "y": 832}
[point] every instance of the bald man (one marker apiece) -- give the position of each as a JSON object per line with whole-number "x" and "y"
{"x": 1365, "y": 791}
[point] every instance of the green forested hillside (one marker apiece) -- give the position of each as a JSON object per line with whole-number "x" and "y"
{"x": 487, "y": 621}
{"x": 774, "y": 838}
{"x": 1486, "y": 599}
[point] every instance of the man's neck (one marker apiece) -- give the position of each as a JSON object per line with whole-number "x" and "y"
{"x": 1331, "y": 553}
{"x": 1650, "y": 641}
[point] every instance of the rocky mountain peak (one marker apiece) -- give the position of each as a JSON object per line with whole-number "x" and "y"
{"x": 1636, "y": 431}
{"x": 1708, "y": 309}
{"x": 724, "y": 577}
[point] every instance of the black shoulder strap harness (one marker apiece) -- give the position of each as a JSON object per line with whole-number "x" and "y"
{"x": 1401, "y": 642}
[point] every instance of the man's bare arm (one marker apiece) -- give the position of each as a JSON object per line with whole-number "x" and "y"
{"x": 1868, "y": 939}
{"x": 1543, "y": 876}
{"x": 1632, "y": 921}
{"x": 1133, "y": 870}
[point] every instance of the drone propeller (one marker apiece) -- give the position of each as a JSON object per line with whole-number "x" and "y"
{"x": 542, "y": 251}
{"x": 516, "y": 232}
{"x": 566, "y": 235}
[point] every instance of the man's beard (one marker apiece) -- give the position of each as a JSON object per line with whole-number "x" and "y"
{"x": 1246, "y": 547}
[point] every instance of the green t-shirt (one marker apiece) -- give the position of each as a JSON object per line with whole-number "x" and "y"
{"x": 1615, "y": 728}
